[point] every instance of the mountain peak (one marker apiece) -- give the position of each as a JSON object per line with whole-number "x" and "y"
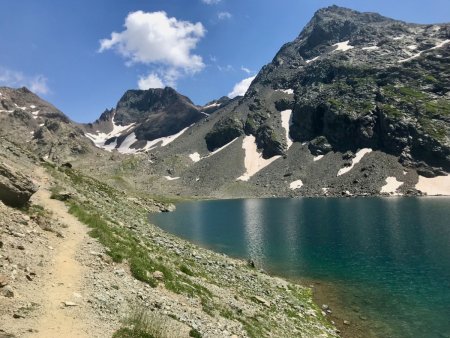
{"x": 337, "y": 13}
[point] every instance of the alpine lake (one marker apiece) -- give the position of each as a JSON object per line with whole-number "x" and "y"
{"x": 380, "y": 264}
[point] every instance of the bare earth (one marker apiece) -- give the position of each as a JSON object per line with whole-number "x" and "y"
{"x": 58, "y": 320}
{"x": 56, "y": 305}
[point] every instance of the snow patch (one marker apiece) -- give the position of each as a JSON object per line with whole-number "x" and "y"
{"x": 312, "y": 60}
{"x": 33, "y": 106}
{"x": 286, "y": 91}
{"x": 35, "y": 114}
{"x": 22, "y": 108}
{"x": 202, "y": 112}
{"x": 253, "y": 160}
{"x": 41, "y": 124}
{"x": 439, "y": 45}
{"x": 371, "y": 48}
{"x": 342, "y": 46}
{"x": 412, "y": 47}
{"x": 221, "y": 148}
{"x": 391, "y": 185}
{"x": 398, "y": 37}
{"x": 125, "y": 146}
{"x": 439, "y": 185}
{"x": 99, "y": 139}
{"x": 317, "y": 158}
{"x": 212, "y": 105}
{"x": 195, "y": 157}
{"x": 358, "y": 157}
{"x": 286, "y": 122}
{"x": 163, "y": 140}
{"x": 111, "y": 146}
{"x": 296, "y": 185}
{"x": 169, "y": 178}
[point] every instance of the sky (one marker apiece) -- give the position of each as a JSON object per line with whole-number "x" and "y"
{"x": 82, "y": 55}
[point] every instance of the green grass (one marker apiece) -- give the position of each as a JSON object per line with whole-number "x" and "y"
{"x": 122, "y": 245}
{"x": 184, "y": 269}
{"x": 412, "y": 92}
{"x": 194, "y": 333}
{"x": 141, "y": 323}
{"x": 126, "y": 332}
{"x": 438, "y": 107}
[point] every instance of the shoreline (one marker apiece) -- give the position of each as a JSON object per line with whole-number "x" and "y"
{"x": 325, "y": 293}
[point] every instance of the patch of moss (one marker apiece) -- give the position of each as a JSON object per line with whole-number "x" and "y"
{"x": 438, "y": 107}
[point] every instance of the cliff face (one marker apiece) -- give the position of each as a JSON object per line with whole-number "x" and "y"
{"x": 354, "y": 80}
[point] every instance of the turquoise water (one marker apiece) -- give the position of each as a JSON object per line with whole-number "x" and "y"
{"x": 389, "y": 257}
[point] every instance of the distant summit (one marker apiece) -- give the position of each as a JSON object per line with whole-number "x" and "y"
{"x": 145, "y": 119}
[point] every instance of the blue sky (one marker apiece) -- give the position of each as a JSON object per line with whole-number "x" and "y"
{"x": 64, "y": 50}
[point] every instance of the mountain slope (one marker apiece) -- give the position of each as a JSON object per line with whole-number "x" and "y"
{"x": 357, "y": 104}
{"x": 26, "y": 118}
{"x": 145, "y": 119}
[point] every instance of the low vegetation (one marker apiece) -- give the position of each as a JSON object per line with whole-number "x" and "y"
{"x": 119, "y": 222}
{"x": 141, "y": 323}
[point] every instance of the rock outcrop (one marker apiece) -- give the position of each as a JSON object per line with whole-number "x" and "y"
{"x": 15, "y": 188}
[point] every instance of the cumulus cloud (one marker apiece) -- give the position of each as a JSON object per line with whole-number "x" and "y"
{"x": 153, "y": 38}
{"x": 241, "y": 88}
{"x": 152, "y": 80}
{"x": 224, "y": 15}
{"x": 211, "y": 2}
{"x": 11, "y": 78}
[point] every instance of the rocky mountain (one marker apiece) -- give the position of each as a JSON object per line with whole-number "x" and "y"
{"x": 145, "y": 119}
{"x": 357, "y": 104}
{"x": 27, "y": 119}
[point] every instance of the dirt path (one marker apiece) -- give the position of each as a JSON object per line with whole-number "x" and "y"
{"x": 65, "y": 276}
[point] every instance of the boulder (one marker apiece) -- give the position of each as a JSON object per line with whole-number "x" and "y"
{"x": 15, "y": 188}
{"x": 320, "y": 146}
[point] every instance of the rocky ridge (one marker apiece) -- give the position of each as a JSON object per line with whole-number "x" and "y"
{"x": 146, "y": 119}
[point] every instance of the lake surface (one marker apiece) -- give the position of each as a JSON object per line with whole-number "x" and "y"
{"x": 388, "y": 258}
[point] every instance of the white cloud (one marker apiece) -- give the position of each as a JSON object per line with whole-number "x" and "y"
{"x": 246, "y": 70}
{"x": 211, "y": 2}
{"x": 11, "y": 78}
{"x": 224, "y": 15}
{"x": 153, "y": 38}
{"x": 240, "y": 88}
{"x": 227, "y": 68}
{"x": 152, "y": 80}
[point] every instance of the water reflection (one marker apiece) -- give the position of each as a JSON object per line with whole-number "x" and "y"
{"x": 391, "y": 257}
{"x": 253, "y": 221}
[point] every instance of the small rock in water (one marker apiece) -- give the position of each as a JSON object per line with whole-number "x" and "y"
{"x": 346, "y": 322}
{"x": 325, "y": 307}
